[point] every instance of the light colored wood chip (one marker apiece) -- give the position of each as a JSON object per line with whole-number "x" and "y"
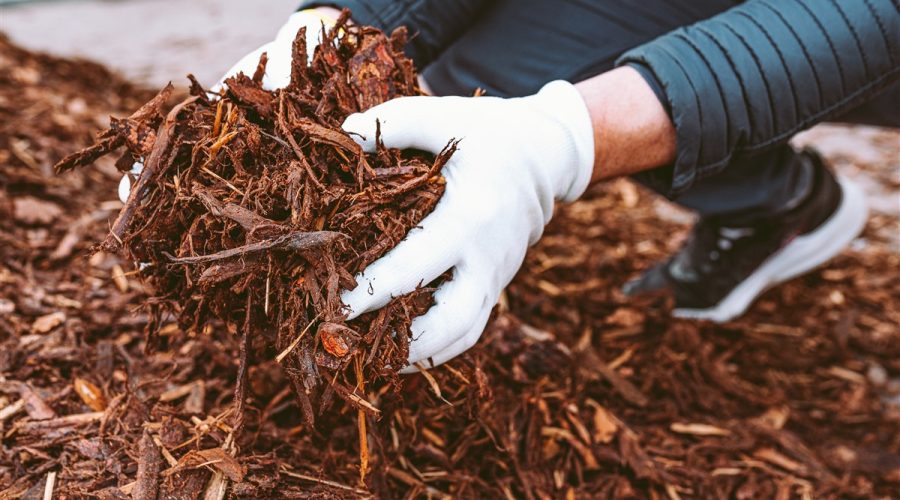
{"x": 49, "y": 485}
{"x": 727, "y": 471}
{"x": 699, "y": 429}
{"x": 847, "y": 374}
{"x": 605, "y": 427}
{"x": 177, "y": 392}
{"x": 48, "y": 322}
{"x": 10, "y": 410}
{"x": 216, "y": 488}
{"x": 326, "y": 482}
{"x": 118, "y": 277}
{"x": 90, "y": 394}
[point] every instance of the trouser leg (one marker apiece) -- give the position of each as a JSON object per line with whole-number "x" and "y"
{"x": 883, "y": 111}
{"x": 771, "y": 183}
{"x": 759, "y": 186}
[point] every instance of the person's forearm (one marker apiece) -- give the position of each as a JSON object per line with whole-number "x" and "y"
{"x": 632, "y": 131}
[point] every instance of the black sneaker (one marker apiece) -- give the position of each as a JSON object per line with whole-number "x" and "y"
{"x": 723, "y": 267}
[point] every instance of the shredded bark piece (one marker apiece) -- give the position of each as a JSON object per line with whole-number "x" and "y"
{"x": 803, "y": 389}
{"x": 259, "y": 205}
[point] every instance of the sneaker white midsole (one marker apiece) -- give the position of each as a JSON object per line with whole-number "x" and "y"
{"x": 800, "y": 256}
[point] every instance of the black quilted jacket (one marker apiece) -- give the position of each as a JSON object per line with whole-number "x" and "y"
{"x": 735, "y": 84}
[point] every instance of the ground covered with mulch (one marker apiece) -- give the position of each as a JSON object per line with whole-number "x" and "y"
{"x": 574, "y": 391}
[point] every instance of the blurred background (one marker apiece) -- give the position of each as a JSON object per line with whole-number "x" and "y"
{"x": 149, "y": 41}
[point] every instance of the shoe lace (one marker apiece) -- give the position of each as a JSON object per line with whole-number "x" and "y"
{"x": 709, "y": 251}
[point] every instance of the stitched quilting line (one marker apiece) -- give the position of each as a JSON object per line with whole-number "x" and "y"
{"x": 833, "y": 51}
{"x": 803, "y": 48}
{"x": 853, "y": 32}
{"x": 759, "y": 68}
{"x": 787, "y": 71}
{"x": 884, "y": 34}
{"x": 681, "y": 178}
{"x": 715, "y": 78}
{"x": 737, "y": 74}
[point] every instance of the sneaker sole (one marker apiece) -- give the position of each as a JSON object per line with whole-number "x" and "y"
{"x": 800, "y": 256}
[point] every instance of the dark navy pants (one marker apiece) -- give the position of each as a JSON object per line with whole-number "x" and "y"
{"x": 515, "y": 46}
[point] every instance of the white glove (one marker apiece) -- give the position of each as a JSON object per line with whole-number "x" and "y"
{"x": 279, "y": 51}
{"x": 127, "y": 179}
{"x": 278, "y": 68}
{"x": 516, "y": 156}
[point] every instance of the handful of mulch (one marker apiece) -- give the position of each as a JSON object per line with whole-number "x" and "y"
{"x": 255, "y": 209}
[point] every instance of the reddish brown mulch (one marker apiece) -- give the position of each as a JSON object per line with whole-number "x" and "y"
{"x": 254, "y": 209}
{"x": 573, "y": 391}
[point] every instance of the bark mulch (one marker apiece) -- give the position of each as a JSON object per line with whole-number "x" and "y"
{"x": 184, "y": 377}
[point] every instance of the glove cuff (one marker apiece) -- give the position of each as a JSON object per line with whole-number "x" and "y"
{"x": 564, "y": 104}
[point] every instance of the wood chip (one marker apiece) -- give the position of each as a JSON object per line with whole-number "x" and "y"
{"x": 333, "y": 484}
{"x": 216, "y": 458}
{"x": 605, "y": 427}
{"x": 149, "y": 466}
{"x": 699, "y": 429}
{"x": 846, "y": 374}
{"x": 11, "y": 409}
{"x": 31, "y": 210}
{"x": 119, "y": 278}
{"x": 59, "y": 422}
{"x": 34, "y": 405}
{"x": 90, "y": 394}
{"x": 590, "y": 461}
{"x": 217, "y": 487}
{"x": 774, "y": 457}
{"x": 48, "y": 322}
{"x": 177, "y": 392}
{"x": 631, "y": 393}
{"x": 49, "y": 485}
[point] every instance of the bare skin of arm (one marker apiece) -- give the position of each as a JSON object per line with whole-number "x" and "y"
{"x": 632, "y": 131}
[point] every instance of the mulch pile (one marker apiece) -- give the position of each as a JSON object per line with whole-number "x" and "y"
{"x": 574, "y": 391}
{"x": 253, "y": 211}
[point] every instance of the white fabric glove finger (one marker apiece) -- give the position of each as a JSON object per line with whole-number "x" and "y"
{"x": 246, "y": 65}
{"x": 407, "y": 122}
{"x": 125, "y": 182}
{"x": 420, "y": 258}
{"x": 278, "y": 73}
{"x": 124, "y": 188}
{"x": 305, "y": 18}
{"x": 457, "y": 306}
{"x": 461, "y": 345}
{"x": 279, "y": 52}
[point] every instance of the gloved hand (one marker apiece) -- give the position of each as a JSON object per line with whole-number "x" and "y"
{"x": 278, "y": 68}
{"x": 515, "y": 158}
{"x": 279, "y": 51}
